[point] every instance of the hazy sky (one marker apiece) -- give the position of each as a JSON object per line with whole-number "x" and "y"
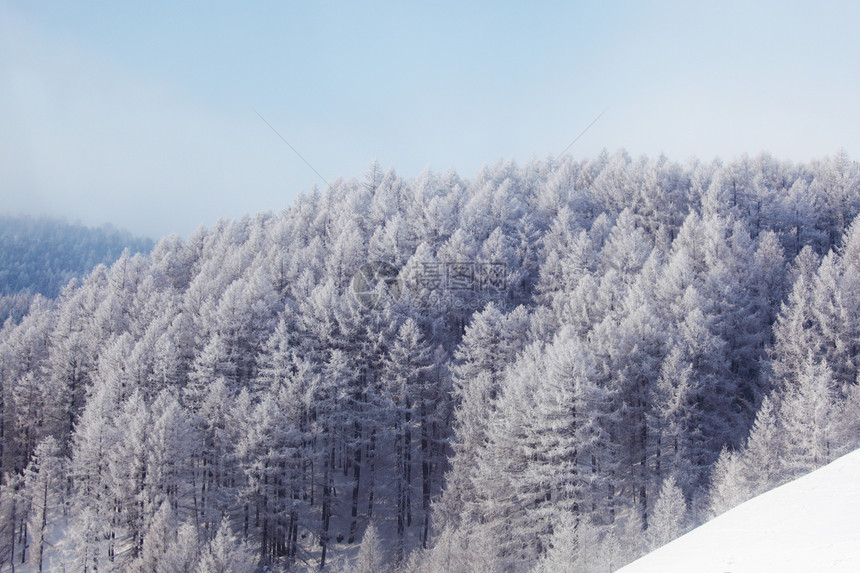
{"x": 144, "y": 117}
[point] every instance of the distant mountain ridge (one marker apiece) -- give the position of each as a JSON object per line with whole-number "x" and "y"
{"x": 41, "y": 255}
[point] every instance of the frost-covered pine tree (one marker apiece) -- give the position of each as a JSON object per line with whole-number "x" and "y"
{"x": 763, "y": 459}
{"x": 181, "y": 554}
{"x": 728, "y": 486}
{"x": 795, "y": 331}
{"x": 44, "y": 488}
{"x": 404, "y": 372}
{"x": 225, "y": 554}
{"x": 126, "y": 480}
{"x": 372, "y": 557}
{"x": 575, "y": 546}
{"x": 481, "y": 357}
{"x": 807, "y": 416}
{"x": 158, "y": 537}
{"x": 669, "y": 516}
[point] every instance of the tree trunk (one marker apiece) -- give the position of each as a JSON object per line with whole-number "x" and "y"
{"x": 356, "y": 474}
{"x": 425, "y": 476}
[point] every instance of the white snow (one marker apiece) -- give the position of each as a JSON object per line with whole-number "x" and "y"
{"x": 810, "y": 524}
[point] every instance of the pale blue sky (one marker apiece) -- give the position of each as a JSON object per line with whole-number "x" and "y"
{"x": 144, "y": 116}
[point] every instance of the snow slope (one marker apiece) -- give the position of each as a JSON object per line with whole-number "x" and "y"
{"x": 810, "y": 524}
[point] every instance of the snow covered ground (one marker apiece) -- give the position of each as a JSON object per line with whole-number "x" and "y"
{"x": 810, "y": 524}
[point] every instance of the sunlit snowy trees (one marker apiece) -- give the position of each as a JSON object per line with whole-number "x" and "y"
{"x": 574, "y": 361}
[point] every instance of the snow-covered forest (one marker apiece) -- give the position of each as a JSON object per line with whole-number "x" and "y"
{"x": 552, "y": 366}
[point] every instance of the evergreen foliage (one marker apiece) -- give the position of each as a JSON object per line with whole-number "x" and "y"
{"x": 577, "y": 361}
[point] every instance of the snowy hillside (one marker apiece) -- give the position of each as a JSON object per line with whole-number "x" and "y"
{"x": 809, "y": 524}
{"x": 498, "y": 373}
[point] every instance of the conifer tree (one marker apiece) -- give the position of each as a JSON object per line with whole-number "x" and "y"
{"x": 371, "y": 556}
{"x": 44, "y": 488}
{"x": 668, "y": 520}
